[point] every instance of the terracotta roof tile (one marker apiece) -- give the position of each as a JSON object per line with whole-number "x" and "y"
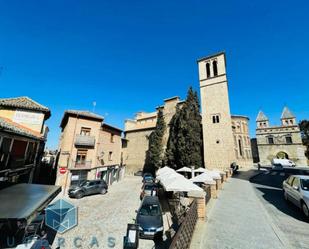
{"x": 10, "y": 126}
{"x": 25, "y": 103}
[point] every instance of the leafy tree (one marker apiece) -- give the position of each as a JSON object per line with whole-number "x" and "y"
{"x": 154, "y": 154}
{"x": 184, "y": 146}
{"x": 304, "y": 127}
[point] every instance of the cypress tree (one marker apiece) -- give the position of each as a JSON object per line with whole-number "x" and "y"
{"x": 184, "y": 146}
{"x": 171, "y": 151}
{"x": 154, "y": 154}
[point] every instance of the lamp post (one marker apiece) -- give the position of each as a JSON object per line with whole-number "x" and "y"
{"x": 192, "y": 171}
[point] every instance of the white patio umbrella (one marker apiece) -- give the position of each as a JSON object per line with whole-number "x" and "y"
{"x": 164, "y": 170}
{"x": 205, "y": 178}
{"x": 184, "y": 169}
{"x": 214, "y": 174}
{"x": 170, "y": 179}
{"x": 166, "y": 175}
{"x": 200, "y": 170}
{"x": 182, "y": 185}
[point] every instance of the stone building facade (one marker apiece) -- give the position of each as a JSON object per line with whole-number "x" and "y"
{"x": 282, "y": 141}
{"x": 225, "y": 137}
{"x": 242, "y": 141}
{"x": 88, "y": 149}
{"x": 23, "y": 136}
{"x": 223, "y": 141}
{"x": 138, "y": 130}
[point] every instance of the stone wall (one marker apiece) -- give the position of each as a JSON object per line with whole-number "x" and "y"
{"x": 242, "y": 143}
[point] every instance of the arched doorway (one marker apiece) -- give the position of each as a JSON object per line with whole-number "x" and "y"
{"x": 282, "y": 155}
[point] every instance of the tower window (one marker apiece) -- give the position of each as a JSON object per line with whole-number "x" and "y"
{"x": 240, "y": 147}
{"x": 291, "y": 121}
{"x": 215, "y": 119}
{"x": 271, "y": 140}
{"x": 215, "y": 67}
{"x": 288, "y": 140}
{"x": 208, "y": 70}
{"x": 110, "y": 156}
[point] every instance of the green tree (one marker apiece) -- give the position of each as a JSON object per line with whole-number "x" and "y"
{"x": 184, "y": 146}
{"x": 154, "y": 154}
{"x": 304, "y": 128}
{"x": 171, "y": 151}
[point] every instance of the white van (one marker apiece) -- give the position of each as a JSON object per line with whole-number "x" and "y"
{"x": 282, "y": 162}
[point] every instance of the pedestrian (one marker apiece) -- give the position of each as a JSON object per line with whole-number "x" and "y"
{"x": 259, "y": 166}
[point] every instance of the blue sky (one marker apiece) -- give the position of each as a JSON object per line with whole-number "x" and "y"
{"x": 130, "y": 55}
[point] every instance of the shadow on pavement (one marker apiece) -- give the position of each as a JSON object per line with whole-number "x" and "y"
{"x": 246, "y": 175}
{"x": 275, "y": 197}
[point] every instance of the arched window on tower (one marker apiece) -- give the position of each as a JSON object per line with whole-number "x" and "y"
{"x": 215, "y": 67}
{"x": 208, "y": 70}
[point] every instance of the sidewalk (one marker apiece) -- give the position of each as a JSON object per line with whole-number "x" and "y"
{"x": 237, "y": 219}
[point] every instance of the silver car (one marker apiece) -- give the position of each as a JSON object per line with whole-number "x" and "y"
{"x": 296, "y": 190}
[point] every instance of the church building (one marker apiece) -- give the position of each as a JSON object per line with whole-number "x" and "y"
{"x": 282, "y": 141}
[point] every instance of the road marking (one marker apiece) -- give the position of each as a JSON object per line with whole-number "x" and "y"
{"x": 282, "y": 174}
{"x": 273, "y": 173}
{"x": 266, "y": 173}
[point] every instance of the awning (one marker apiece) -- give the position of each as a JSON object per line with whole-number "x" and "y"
{"x": 23, "y": 201}
{"x": 200, "y": 170}
{"x": 184, "y": 169}
{"x": 182, "y": 185}
{"x": 205, "y": 178}
{"x": 164, "y": 170}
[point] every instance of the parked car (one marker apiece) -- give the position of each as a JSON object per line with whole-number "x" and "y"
{"x": 138, "y": 173}
{"x": 149, "y": 189}
{"x": 88, "y": 187}
{"x": 296, "y": 190}
{"x": 149, "y": 218}
{"x": 282, "y": 162}
{"x": 148, "y": 178}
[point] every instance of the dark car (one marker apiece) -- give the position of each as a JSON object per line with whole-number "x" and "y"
{"x": 88, "y": 187}
{"x": 149, "y": 189}
{"x": 138, "y": 173}
{"x": 149, "y": 218}
{"x": 148, "y": 178}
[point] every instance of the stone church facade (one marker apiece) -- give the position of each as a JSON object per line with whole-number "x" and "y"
{"x": 225, "y": 136}
{"x": 138, "y": 130}
{"x": 282, "y": 141}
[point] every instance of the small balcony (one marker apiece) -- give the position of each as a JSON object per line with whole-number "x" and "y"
{"x": 84, "y": 141}
{"x": 81, "y": 164}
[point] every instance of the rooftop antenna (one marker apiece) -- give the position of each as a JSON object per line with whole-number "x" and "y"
{"x": 94, "y": 105}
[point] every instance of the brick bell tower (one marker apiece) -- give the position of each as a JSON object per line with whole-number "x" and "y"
{"x": 216, "y": 117}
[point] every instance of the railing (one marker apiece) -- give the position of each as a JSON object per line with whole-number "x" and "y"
{"x": 81, "y": 165}
{"x": 82, "y": 140}
{"x": 184, "y": 234}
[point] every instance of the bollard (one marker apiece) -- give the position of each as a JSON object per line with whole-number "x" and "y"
{"x": 201, "y": 208}
{"x": 223, "y": 177}
{"x": 227, "y": 174}
{"x": 213, "y": 191}
{"x": 218, "y": 184}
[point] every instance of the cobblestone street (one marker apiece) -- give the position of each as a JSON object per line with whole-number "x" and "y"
{"x": 105, "y": 217}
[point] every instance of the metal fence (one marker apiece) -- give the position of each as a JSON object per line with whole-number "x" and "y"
{"x": 184, "y": 234}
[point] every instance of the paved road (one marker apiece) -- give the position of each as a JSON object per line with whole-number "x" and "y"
{"x": 238, "y": 220}
{"x": 286, "y": 216}
{"x": 105, "y": 217}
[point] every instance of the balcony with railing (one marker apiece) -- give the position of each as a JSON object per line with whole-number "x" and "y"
{"x": 84, "y": 141}
{"x": 81, "y": 165}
